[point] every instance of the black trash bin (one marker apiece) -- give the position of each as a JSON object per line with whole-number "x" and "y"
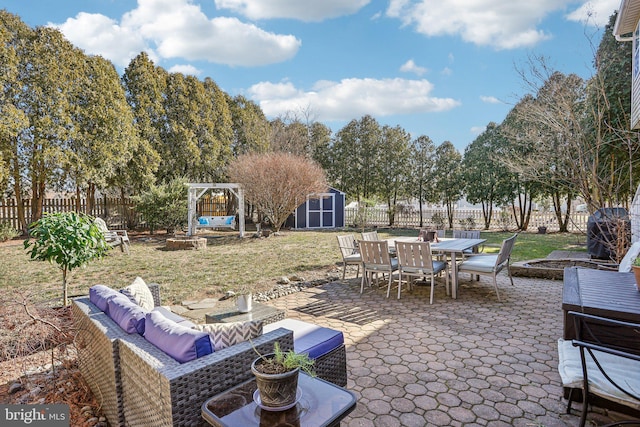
{"x": 602, "y": 232}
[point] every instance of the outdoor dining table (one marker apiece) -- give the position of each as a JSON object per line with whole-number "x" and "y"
{"x": 450, "y": 247}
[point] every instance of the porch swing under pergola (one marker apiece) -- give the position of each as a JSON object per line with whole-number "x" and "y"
{"x": 198, "y": 190}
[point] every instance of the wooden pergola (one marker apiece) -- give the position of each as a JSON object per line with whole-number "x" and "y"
{"x": 198, "y": 190}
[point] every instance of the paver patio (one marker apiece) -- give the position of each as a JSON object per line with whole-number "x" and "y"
{"x": 473, "y": 361}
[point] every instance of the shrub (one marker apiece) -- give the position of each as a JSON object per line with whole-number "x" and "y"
{"x": 7, "y": 232}
{"x": 364, "y": 213}
{"x": 277, "y": 183}
{"x": 438, "y": 220}
{"x": 504, "y": 220}
{"x": 164, "y": 206}
{"x": 469, "y": 223}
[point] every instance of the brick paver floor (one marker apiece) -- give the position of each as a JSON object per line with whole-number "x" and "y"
{"x": 474, "y": 361}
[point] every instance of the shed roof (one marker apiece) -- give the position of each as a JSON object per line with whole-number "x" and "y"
{"x": 628, "y": 17}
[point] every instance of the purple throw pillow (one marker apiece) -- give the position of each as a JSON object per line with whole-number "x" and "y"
{"x": 100, "y": 295}
{"x": 127, "y": 315}
{"x": 180, "y": 342}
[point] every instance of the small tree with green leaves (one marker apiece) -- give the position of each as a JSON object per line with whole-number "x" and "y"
{"x": 68, "y": 239}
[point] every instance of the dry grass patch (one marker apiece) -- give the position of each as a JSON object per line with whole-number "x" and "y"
{"x": 227, "y": 263}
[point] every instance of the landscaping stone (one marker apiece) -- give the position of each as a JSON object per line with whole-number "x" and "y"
{"x": 205, "y": 303}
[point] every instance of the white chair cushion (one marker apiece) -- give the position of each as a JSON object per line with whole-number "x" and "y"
{"x": 482, "y": 263}
{"x": 623, "y": 371}
{"x": 630, "y": 256}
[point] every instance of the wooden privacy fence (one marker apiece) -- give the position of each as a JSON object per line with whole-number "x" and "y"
{"x": 501, "y": 220}
{"x": 111, "y": 209}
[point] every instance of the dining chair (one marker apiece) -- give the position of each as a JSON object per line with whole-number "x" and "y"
{"x": 370, "y": 236}
{"x": 350, "y": 253}
{"x": 468, "y": 234}
{"x": 416, "y": 259}
{"x": 489, "y": 264}
{"x": 376, "y": 259}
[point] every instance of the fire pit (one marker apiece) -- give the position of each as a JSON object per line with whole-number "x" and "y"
{"x": 549, "y": 268}
{"x": 185, "y": 243}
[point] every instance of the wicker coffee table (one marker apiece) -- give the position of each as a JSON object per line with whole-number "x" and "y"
{"x": 263, "y": 312}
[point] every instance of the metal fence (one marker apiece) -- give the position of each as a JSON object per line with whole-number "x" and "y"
{"x": 463, "y": 218}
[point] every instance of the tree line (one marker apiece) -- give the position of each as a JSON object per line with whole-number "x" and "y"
{"x": 69, "y": 122}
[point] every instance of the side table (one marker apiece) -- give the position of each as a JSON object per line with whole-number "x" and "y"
{"x": 321, "y": 404}
{"x": 266, "y": 313}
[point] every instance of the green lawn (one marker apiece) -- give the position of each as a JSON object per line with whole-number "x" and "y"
{"x": 227, "y": 263}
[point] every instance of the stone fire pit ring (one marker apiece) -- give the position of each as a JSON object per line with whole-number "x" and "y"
{"x": 186, "y": 243}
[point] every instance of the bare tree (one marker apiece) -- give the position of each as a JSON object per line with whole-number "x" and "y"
{"x": 277, "y": 183}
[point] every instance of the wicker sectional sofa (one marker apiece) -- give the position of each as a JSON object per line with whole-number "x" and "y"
{"x": 139, "y": 385}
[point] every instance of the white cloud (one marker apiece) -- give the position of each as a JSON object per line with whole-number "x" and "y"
{"x": 411, "y": 67}
{"x": 303, "y": 10}
{"x": 349, "y": 98}
{"x": 490, "y": 100}
{"x": 595, "y": 12}
{"x": 477, "y": 130}
{"x": 446, "y": 71}
{"x": 186, "y": 69}
{"x": 99, "y": 35}
{"x": 178, "y": 29}
{"x": 502, "y": 24}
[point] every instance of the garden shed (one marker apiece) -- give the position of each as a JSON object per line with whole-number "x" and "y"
{"x": 325, "y": 210}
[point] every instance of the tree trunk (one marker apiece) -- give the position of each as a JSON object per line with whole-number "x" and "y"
{"x": 20, "y": 207}
{"x": 450, "y": 213}
{"x": 78, "y": 204}
{"x": 37, "y": 200}
{"x": 64, "y": 287}
{"x": 91, "y": 200}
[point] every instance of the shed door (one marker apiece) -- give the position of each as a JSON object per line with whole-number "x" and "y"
{"x": 321, "y": 211}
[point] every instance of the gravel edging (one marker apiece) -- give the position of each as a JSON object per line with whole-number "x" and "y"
{"x": 283, "y": 289}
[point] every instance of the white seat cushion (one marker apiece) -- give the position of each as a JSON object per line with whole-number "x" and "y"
{"x": 625, "y": 372}
{"x": 631, "y": 255}
{"x": 482, "y": 263}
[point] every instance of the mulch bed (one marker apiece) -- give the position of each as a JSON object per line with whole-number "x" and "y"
{"x": 38, "y": 362}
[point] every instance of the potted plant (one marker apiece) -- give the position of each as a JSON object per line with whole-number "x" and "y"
{"x": 277, "y": 377}
{"x": 636, "y": 271}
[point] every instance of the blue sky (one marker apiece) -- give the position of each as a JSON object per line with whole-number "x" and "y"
{"x": 441, "y": 68}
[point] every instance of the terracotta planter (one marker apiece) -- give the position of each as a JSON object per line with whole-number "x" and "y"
{"x": 636, "y": 272}
{"x": 276, "y": 390}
